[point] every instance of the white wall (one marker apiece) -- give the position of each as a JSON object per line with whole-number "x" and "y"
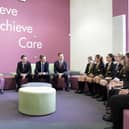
{"x": 91, "y": 30}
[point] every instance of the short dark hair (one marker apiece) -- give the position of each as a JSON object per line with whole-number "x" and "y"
{"x": 41, "y": 56}
{"x": 22, "y": 56}
{"x": 98, "y": 56}
{"x": 60, "y": 53}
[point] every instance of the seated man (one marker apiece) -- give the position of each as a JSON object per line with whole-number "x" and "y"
{"x": 23, "y": 71}
{"x": 61, "y": 70}
{"x": 42, "y": 69}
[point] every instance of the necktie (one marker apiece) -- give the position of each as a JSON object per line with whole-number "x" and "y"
{"x": 42, "y": 67}
{"x": 23, "y": 66}
{"x": 60, "y": 64}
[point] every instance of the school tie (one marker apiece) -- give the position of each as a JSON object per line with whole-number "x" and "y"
{"x": 90, "y": 67}
{"x": 97, "y": 65}
{"x": 107, "y": 70}
{"x": 117, "y": 67}
{"x": 108, "y": 67}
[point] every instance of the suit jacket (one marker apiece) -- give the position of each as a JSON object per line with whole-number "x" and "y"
{"x": 89, "y": 70}
{"x": 38, "y": 67}
{"x": 124, "y": 76}
{"x": 98, "y": 69}
{"x": 109, "y": 72}
{"x": 26, "y": 69}
{"x": 60, "y": 69}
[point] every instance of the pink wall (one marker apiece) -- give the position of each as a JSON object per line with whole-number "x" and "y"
{"x": 50, "y": 22}
{"x": 121, "y": 7}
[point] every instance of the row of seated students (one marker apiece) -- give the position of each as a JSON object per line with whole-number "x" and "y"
{"x": 109, "y": 83}
{"x": 41, "y": 70}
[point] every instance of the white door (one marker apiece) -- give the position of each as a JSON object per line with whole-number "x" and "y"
{"x": 119, "y": 34}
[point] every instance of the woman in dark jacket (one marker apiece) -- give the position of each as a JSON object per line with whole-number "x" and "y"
{"x": 82, "y": 78}
{"x": 98, "y": 72}
{"x": 109, "y": 72}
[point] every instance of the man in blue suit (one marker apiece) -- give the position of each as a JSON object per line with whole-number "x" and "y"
{"x": 61, "y": 70}
{"x": 42, "y": 69}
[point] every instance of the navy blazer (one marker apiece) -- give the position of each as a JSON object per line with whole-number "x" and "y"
{"x": 111, "y": 71}
{"x": 87, "y": 71}
{"x": 26, "y": 70}
{"x": 38, "y": 67}
{"x": 124, "y": 76}
{"x": 98, "y": 70}
{"x": 62, "y": 69}
{"x": 118, "y": 70}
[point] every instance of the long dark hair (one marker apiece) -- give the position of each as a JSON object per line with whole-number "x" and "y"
{"x": 99, "y": 57}
{"x": 111, "y": 56}
{"x": 127, "y": 63}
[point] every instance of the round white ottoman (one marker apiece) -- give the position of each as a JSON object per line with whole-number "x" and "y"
{"x": 37, "y": 100}
{"x": 37, "y": 84}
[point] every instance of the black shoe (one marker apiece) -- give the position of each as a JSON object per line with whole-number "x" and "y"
{"x": 108, "y": 128}
{"x": 88, "y": 94}
{"x": 100, "y": 99}
{"x": 108, "y": 112}
{"x": 77, "y": 91}
{"x": 67, "y": 89}
{"x": 97, "y": 96}
{"x": 108, "y": 108}
{"x": 107, "y": 118}
{"x": 105, "y": 103}
{"x": 17, "y": 89}
{"x": 2, "y": 91}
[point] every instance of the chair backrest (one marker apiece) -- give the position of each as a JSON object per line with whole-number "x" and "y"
{"x": 51, "y": 68}
{"x": 33, "y": 68}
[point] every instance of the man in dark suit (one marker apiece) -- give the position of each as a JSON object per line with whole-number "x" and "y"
{"x": 61, "y": 70}
{"x": 23, "y": 71}
{"x": 42, "y": 69}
